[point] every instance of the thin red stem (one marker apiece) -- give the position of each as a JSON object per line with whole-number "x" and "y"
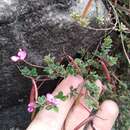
{"x": 105, "y": 70}
{"x": 32, "y": 93}
{"x": 85, "y": 107}
{"x": 35, "y": 88}
{"x": 73, "y": 63}
{"x": 85, "y": 121}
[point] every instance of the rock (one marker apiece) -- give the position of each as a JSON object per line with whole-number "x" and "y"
{"x": 40, "y": 27}
{"x": 14, "y": 118}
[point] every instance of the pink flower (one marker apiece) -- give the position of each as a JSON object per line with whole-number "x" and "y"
{"x": 21, "y": 55}
{"x": 31, "y": 107}
{"x": 50, "y": 98}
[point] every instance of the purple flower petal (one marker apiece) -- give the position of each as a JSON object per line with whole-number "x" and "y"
{"x": 30, "y": 109}
{"x": 31, "y": 106}
{"x": 14, "y": 58}
{"x": 51, "y": 99}
{"x": 56, "y": 102}
{"x": 22, "y": 54}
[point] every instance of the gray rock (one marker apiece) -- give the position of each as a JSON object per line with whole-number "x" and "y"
{"x": 40, "y": 27}
{"x": 14, "y": 118}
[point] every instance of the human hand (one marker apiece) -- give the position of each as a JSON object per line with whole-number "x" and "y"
{"x": 67, "y": 118}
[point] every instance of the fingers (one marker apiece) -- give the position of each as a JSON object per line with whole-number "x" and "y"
{"x": 49, "y": 120}
{"x": 76, "y": 115}
{"x": 108, "y": 112}
{"x": 80, "y": 112}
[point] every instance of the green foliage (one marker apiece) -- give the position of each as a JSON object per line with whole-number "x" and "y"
{"x": 122, "y": 27}
{"x": 122, "y": 94}
{"x": 89, "y": 67}
{"x": 92, "y": 100}
{"x": 49, "y": 60}
{"x": 82, "y": 21}
{"x": 29, "y": 72}
{"x": 104, "y": 52}
{"x": 91, "y": 103}
{"x": 106, "y": 46}
{"x": 53, "y": 70}
{"x": 52, "y": 107}
{"x": 70, "y": 70}
{"x": 93, "y": 76}
{"x": 61, "y": 96}
{"x": 82, "y": 65}
{"x": 100, "y": 20}
{"x": 93, "y": 89}
{"x": 121, "y": 97}
{"x": 41, "y": 101}
{"x": 112, "y": 60}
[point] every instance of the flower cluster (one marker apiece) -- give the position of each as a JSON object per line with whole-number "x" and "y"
{"x": 21, "y": 55}
{"x": 52, "y": 100}
{"x": 49, "y": 100}
{"x": 31, "y": 106}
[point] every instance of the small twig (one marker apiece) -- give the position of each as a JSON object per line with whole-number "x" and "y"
{"x": 87, "y": 9}
{"x": 122, "y": 41}
{"x": 101, "y": 29}
{"x": 121, "y": 34}
{"x": 30, "y": 64}
{"x": 123, "y": 9}
{"x": 86, "y": 121}
{"x": 43, "y": 81}
{"x": 120, "y": 82}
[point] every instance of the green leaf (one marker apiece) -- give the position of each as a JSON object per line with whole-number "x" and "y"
{"x": 49, "y": 60}
{"x": 93, "y": 89}
{"x": 49, "y": 107}
{"x": 93, "y": 75}
{"x": 112, "y": 60}
{"x": 48, "y": 70}
{"x": 107, "y": 42}
{"x": 29, "y": 72}
{"x": 61, "y": 96}
{"x": 34, "y": 72}
{"x": 70, "y": 70}
{"x": 91, "y": 103}
{"x": 55, "y": 108}
{"x": 41, "y": 99}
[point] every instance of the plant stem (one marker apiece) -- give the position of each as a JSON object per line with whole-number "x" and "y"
{"x": 35, "y": 88}
{"x": 30, "y": 64}
{"x": 105, "y": 70}
{"x": 122, "y": 41}
{"x": 121, "y": 34}
{"x": 87, "y": 9}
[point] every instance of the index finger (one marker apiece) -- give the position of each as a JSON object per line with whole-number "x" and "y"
{"x": 54, "y": 120}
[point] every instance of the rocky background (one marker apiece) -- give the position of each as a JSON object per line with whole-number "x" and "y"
{"x": 40, "y": 27}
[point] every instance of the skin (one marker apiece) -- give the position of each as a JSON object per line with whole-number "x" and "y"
{"x": 49, "y": 120}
